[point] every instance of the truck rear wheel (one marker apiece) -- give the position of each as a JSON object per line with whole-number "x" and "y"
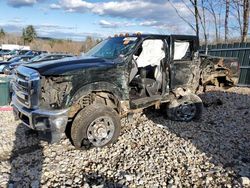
{"x": 96, "y": 125}
{"x": 187, "y": 108}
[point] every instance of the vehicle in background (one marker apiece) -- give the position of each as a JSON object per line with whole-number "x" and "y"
{"x": 22, "y": 58}
{"x": 4, "y": 51}
{"x": 22, "y": 52}
{"x": 31, "y": 59}
{"x": 50, "y": 56}
{"x": 27, "y": 55}
{"x": 17, "y": 53}
{"x": 10, "y": 50}
{"x": 8, "y": 55}
{"x": 14, "y": 47}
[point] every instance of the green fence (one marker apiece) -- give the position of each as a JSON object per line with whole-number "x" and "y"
{"x": 238, "y": 50}
{"x": 4, "y": 91}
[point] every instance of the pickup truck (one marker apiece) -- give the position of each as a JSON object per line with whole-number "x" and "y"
{"x": 121, "y": 75}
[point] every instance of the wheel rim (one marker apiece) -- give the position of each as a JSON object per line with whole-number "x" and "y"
{"x": 186, "y": 111}
{"x": 101, "y": 131}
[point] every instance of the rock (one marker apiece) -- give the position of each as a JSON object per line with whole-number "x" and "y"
{"x": 77, "y": 179}
{"x": 69, "y": 182}
{"x": 86, "y": 185}
{"x": 46, "y": 174}
{"x": 98, "y": 186}
{"x": 208, "y": 179}
{"x": 128, "y": 177}
{"x": 46, "y": 160}
{"x": 171, "y": 181}
{"x": 245, "y": 181}
{"x": 152, "y": 151}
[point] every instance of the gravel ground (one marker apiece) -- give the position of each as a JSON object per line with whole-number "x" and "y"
{"x": 151, "y": 151}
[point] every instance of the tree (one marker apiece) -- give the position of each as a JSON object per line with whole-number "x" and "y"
{"x": 226, "y": 20}
{"x": 88, "y": 43}
{"x": 236, "y": 11}
{"x": 52, "y": 43}
{"x": 98, "y": 41}
{"x": 196, "y": 15}
{"x": 215, "y": 9}
{"x": 199, "y": 16}
{"x": 204, "y": 24}
{"x": 182, "y": 17}
{"x": 224, "y": 15}
{"x": 245, "y": 20}
{"x": 240, "y": 11}
{"x": 29, "y": 34}
{"x": 2, "y": 33}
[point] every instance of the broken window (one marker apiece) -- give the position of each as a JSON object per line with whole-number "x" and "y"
{"x": 113, "y": 47}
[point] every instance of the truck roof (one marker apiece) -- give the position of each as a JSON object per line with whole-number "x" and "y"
{"x": 188, "y": 37}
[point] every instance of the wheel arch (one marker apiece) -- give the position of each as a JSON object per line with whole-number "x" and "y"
{"x": 89, "y": 93}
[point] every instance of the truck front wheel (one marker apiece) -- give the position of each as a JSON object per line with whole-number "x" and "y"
{"x": 186, "y": 108}
{"x": 96, "y": 125}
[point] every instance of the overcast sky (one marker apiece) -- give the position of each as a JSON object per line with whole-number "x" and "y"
{"x": 76, "y": 19}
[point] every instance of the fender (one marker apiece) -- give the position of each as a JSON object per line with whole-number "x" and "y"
{"x": 120, "y": 93}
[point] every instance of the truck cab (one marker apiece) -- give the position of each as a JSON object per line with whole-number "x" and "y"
{"x": 119, "y": 76}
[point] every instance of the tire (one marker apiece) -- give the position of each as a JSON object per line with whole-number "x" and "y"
{"x": 188, "y": 107}
{"x": 96, "y": 125}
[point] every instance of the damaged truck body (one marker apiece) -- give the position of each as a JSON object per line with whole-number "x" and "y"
{"x": 120, "y": 75}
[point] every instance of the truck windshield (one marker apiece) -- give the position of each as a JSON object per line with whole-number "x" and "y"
{"x": 113, "y": 47}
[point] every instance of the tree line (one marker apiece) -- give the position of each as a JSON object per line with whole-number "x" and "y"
{"x": 222, "y": 18}
{"x": 213, "y": 20}
{"x": 29, "y": 37}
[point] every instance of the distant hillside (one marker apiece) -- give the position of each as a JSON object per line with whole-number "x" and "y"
{"x": 53, "y": 45}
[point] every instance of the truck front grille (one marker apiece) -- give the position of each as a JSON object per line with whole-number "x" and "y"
{"x": 26, "y": 86}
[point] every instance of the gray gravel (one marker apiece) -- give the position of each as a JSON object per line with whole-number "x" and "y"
{"x": 151, "y": 151}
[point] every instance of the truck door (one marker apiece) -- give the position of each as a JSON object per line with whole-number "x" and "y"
{"x": 185, "y": 64}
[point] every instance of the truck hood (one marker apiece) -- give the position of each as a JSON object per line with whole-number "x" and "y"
{"x": 66, "y": 65}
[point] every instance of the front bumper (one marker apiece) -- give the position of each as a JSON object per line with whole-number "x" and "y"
{"x": 51, "y": 122}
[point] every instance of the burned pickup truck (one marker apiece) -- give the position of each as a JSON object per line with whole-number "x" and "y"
{"x": 119, "y": 76}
